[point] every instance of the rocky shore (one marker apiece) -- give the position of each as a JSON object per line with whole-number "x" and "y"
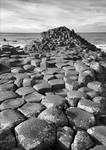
{"x": 53, "y": 94}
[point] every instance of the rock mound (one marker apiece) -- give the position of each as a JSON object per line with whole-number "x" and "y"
{"x": 59, "y": 37}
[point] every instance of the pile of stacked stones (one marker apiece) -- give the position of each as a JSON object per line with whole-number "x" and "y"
{"x": 53, "y": 101}
{"x": 57, "y": 38}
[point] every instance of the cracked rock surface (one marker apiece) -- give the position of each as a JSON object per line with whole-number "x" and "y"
{"x": 53, "y": 94}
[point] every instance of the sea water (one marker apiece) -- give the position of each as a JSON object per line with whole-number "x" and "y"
{"x": 98, "y": 39}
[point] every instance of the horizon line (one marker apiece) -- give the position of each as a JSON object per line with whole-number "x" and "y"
{"x": 47, "y": 30}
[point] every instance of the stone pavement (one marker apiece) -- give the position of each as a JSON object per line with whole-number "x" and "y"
{"x": 53, "y": 100}
{"x": 54, "y": 105}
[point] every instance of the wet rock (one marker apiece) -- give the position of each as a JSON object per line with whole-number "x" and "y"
{"x": 36, "y": 134}
{"x": 42, "y": 87}
{"x": 96, "y": 86}
{"x": 34, "y": 97}
{"x": 12, "y": 103}
{"x": 54, "y": 100}
{"x": 82, "y": 141}
{"x": 65, "y": 137}
{"x": 57, "y": 84}
{"x": 9, "y": 118}
{"x": 99, "y": 133}
{"x": 55, "y": 115}
{"x": 24, "y": 91}
{"x": 7, "y": 140}
{"x": 79, "y": 118}
{"x": 4, "y": 95}
{"x": 91, "y": 107}
{"x": 31, "y": 109}
{"x": 74, "y": 96}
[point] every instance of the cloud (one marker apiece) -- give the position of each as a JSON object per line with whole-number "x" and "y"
{"x": 39, "y": 15}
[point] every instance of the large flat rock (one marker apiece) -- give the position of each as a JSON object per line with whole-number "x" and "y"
{"x": 79, "y": 118}
{"x": 99, "y": 133}
{"x": 82, "y": 141}
{"x": 31, "y": 109}
{"x": 53, "y": 100}
{"x": 4, "y": 95}
{"x": 36, "y": 134}
{"x": 9, "y": 118}
{"x": 54, "y": 115}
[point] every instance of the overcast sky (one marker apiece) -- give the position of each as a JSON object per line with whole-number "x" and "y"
{"x": 39, "y": 15}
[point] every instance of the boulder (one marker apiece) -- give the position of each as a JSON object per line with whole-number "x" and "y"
{"x": 99, "y": 147}
{"x": 57, "y": 84}
{"x": 85, "y": 77}
{"x": 91, "y": 107}
{"x": 74, "y": 96}
{"x": 9, "y": 118}
{"x": 96, "y": 86}
{"x": 79, "y": 118}
{"x": 34, "y": 97}
{"x": 4, "y": 95}
{"x": 42, "y": 87}
{"x": 65, "y": 137}
{"x": 55, "y": 115}
{"x": 31, "y": 109}
{"x": 54, "y": 100}
{"x": 82, "y": 141}
{"x": 7, "y": 140}
{"x": 35, "y": 62}
{"x": 11, "y": 103}
{"x": 36, "y": 134}
{"x": 24, "y": 91}
{"x": 99, "y": 133}
{"x": 17, "y": 70}
{"x": 71, "y": 84}
{"x": 28, "y": 67}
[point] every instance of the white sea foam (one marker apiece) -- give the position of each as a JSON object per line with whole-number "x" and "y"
{"x": 102, "y": 47}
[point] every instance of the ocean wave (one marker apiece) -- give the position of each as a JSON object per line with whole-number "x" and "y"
{"x": 102, "y": 47}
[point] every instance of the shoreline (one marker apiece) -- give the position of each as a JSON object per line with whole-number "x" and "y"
{"x": 53, "y": 94}
{"x": 22, "y": 43}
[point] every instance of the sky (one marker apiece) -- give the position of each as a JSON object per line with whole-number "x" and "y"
{"x": 33, "y": 16}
